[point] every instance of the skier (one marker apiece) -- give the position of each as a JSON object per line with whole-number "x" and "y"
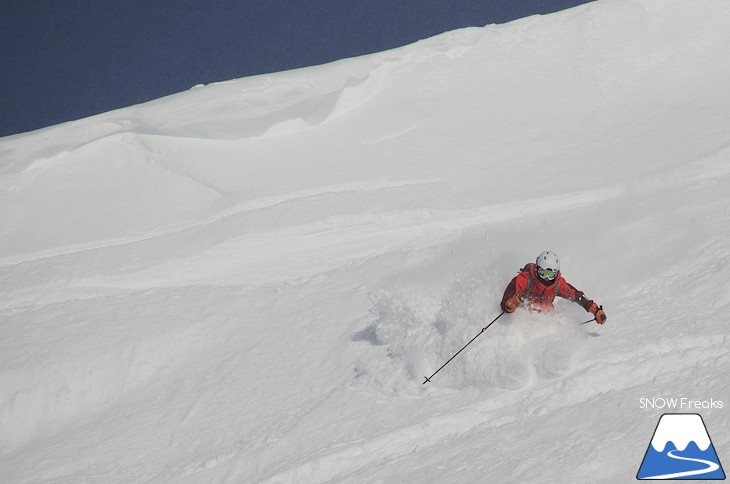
{"x": 537, "y": 285}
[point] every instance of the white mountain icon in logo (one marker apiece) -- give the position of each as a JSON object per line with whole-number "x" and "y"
{"x": 681, "y": 449}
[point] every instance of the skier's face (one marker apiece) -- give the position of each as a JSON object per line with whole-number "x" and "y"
{"x": 547, "y": 274}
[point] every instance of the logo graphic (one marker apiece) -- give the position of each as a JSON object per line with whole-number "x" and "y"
{"x": 681, "y": 449}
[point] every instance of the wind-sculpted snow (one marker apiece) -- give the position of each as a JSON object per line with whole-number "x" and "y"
{"x": 249, "y": 281}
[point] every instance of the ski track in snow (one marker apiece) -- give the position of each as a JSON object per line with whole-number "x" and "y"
{"x": 241, "y": 209}
{"x": 336, "y": 465}
{"x": 277, "y": 248}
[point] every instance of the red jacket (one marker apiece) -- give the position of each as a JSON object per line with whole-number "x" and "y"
{"x": 540, "y": 296}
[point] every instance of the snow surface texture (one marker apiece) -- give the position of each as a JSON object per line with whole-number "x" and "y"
{"x": 248, "y": 281}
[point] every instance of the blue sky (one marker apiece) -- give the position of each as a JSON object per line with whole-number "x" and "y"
{"x": 65, "y": 60}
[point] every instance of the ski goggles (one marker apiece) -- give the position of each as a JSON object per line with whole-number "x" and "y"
{"x": 548, "y": 274}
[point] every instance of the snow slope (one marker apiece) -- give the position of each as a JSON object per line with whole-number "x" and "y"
{"x": 248, "y": 281}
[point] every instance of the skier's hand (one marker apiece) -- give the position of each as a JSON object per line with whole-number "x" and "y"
{"x": 512, "y": 303}
{"x": 598, "y": 312}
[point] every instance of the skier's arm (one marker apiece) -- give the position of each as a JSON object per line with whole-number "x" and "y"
{"x": 513, "y": 293}
{"x": 572, "y": 294}
{"x": 569, "y": 292}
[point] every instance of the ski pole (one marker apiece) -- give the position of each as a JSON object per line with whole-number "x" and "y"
{"x": 594, "y": 318}
{"x": 428, "y": 378}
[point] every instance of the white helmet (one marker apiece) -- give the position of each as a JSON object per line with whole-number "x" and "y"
{"x": 548, "y": 265}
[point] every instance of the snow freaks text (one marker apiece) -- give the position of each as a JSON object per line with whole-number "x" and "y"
{"x": 679, "y": 403}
